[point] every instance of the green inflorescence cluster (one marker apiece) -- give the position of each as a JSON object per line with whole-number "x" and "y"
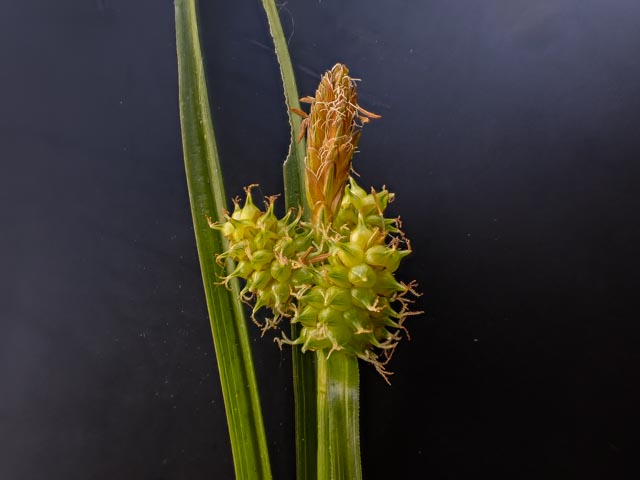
{"x": 337, "y": 281}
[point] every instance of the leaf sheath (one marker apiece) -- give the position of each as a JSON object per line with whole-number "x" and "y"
{"x": 338, "y": 417}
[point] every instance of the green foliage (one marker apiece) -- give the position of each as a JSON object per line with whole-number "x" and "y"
{"x": 207, "y": 199}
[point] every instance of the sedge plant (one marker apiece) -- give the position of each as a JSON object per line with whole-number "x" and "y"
{"x": 327, "y": 267}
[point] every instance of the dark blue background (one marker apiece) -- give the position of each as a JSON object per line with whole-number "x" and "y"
{"x": 510, "y": 133}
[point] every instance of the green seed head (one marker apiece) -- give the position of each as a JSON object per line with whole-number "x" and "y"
{"x": 362, "y": 276}
{"x": 248, "y": 213}
{"x": 334, "y": 274}
{"x": 338, "y": 298}
{"x": 350, "y": 254}
{"x": 385, "y": 257}
{"x": 259, "y": 281}
{"x": 338, "y": 275}
{"x": 280, "y": 271}
{"x": 338, "y": 283}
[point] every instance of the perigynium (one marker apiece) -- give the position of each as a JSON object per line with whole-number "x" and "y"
{"x": 334, "y": 274}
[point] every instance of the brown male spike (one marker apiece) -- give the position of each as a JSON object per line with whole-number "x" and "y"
{"x": 333, "y": 129}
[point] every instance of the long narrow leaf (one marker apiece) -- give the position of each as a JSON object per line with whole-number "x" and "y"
{"x": 304, "y": 369}
{"x": 207, "y": 197}
{"x": 294, "y": 164}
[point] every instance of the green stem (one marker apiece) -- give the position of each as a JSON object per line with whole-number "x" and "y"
{"x": 208, "y": 200}
{"x": 338, "y": 417}
{"x": 304, "y": 368}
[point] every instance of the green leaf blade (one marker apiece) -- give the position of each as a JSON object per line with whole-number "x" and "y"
{"x": 294, "y": 163}
{"x": 207, "y": 199}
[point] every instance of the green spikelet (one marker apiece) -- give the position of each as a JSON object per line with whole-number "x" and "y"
{"x": 338, "y": 281}
{"x": 334, "y": 275}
